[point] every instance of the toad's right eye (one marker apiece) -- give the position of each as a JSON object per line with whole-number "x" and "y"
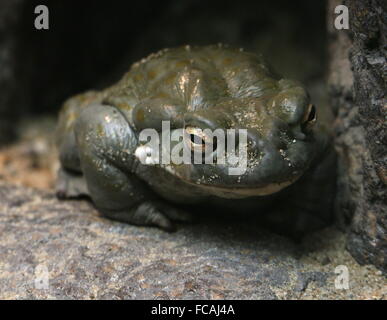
{"x": 309, "y": 119}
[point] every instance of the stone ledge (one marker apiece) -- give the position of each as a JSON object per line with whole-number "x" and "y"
{"x": 89, "y": 257}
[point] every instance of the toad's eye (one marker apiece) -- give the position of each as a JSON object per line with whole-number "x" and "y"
{"x": 197, "y": 141}
{"x": 309, "y": 119}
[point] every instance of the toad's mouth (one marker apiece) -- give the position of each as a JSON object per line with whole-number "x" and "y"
{"x": 232, "y": 191}
{"x": 215, "y": 185}
{"x": 246, "y": 191}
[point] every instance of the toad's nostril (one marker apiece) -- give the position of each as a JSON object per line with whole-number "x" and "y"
{"x": 298, "y": 134}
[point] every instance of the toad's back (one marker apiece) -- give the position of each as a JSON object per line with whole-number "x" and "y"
{"x": 172, "y": 82}
{"x": 194, "y": 78}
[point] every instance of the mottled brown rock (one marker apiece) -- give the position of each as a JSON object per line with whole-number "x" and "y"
{"x": 358, "y": 87}
{"x": 89, "y": 257}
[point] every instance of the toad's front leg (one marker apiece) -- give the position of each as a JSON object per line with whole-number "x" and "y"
{"x": 106, "y": 144}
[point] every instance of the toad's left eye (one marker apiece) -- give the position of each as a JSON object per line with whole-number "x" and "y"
{"x": 197, "y": 140}
{"x": 309, "y": 119}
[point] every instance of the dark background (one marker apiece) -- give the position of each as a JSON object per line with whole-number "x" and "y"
{"x": 90, "y": 44}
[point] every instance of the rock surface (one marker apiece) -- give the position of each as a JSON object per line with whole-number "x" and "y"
{"x": 358, "y": 86}
{"x": 88, "y": 257}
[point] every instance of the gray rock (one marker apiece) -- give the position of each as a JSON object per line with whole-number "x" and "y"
{"x": 358, "y": 86}
{"x": 89, "y": 257}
